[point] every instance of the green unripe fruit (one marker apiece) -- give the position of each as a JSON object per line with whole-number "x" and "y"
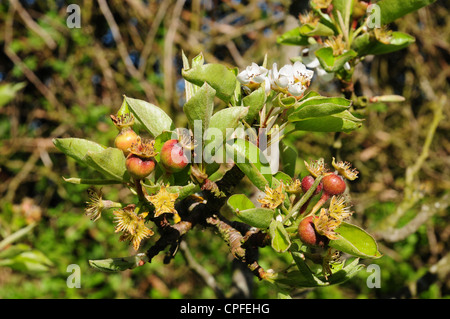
{"x": 308, "y": 234}
{"x": 172, "y": 157}
{"x": 139, "y": 168}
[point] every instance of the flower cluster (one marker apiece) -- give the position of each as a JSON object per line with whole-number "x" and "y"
{"x": 131, "y": 225}
{"x": 290, "y": 79}
{"x": 272, "y": 197}
{"x": 330, "y": 219}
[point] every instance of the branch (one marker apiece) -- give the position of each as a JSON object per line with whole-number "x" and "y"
{"x": 200, "y": 271}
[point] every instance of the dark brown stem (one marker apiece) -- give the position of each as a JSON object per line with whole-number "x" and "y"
{"x": 245, "y": 253}
{"x": 139, "y": 189}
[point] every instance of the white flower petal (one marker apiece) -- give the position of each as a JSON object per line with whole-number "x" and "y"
{"x": 296, "y": 89}
{"x": 243, "y": 77}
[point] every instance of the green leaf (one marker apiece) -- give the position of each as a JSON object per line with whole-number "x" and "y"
{"x": 283, "y": 177}
{"x": 221, "y": 126}
{"x": 342, "y": 6}
{"x": 190, "y": 88}
{"x": 219, "y": 77}
{"x": 238, "y": 202}
{"x": 331, "y": 63}
{"x": 304, "y": 277}
{"x": 110, "y": 162}
{"x": 256, "y": 217}
{"x": 340, "y": 122}
{"x": 118, "y": 264}
{"x": 367, "y": 45}
{"x": 33, "y": 261}
{"x": 319, "y": 106}
{"x": 255, "y": 101}
{"x": 319, "y": 29}
{"x": 391, "y": 10}
{"x": 251, "y": 161}
{"x": 77, "y": 148}
{"x": 346, "y": 273}
{"x": 355, "y": 241}
{"x": 280, "y": 238}
{"x": 200, "y": 107}
{"x": 293, "y": 37}
{"x": 16, "y": 236}
{"x": 288, "y": 156}
{"x": 154, "y": 119}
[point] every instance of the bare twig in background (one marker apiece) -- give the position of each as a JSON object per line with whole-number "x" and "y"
{"x": 122, "y": 48}
{"x": 32, "y": 25}
{"x": 425, "y": 212}
{"x": 169, "y": 74}
{"x": 200, "y": 270}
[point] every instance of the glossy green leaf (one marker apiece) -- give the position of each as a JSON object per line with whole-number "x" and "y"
{"x": 293, "y": 37}
{"x": 319, "y": 106}
{"x": 77, "y": 148}
{"x": 331, "y": 63}
{"x": 118, "y": 264}
{"x": 255, "y": 101}
{"x": 154, "y": 119}
{"x": 200, "y": 107}
{"x": 256, "y": 217}
{"x": 251, "y": 161}
{"x": 368, "y": 45}
{"x": 110, "y": 162}
{"x": 238, "y": 202}
{"x": 355, "y": 241}
{"x": 280, "y": 240}
{"x": 391, "y": 10}
{"x": 218, "y": 76}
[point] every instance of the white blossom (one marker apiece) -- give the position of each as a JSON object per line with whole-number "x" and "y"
{"x": 253, "y": 73}
{"x": 294, "y": 79}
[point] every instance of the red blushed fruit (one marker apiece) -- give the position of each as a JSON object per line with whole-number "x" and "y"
{"x": 139, "y": 168}
{"x": 172, "y": 156}
{"x": 124, "y": 140}
{"x": 333, "y": 184}
{"x": 307, "y": 182}
{"x": 308, "y": 234}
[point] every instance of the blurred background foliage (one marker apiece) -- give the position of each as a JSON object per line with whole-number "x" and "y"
{"x": 57, "y": 81}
